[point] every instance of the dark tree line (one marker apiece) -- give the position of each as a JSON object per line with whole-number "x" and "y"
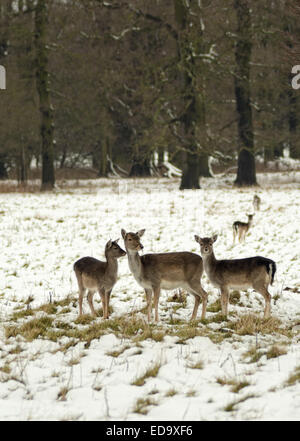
{"x": 120, "y": 85}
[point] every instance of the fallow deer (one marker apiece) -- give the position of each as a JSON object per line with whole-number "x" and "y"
{"x": 256, "y": 202}
{"x": 252, "y": 272}
{"x": 165, "y": 271}
{"x": 94, "y": 275}
{"x": 241, "y": 228}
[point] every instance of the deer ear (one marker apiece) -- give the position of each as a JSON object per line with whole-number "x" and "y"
{"x": 141, "y": 232}
{"x": 123, "y": 232}
{"x": 215, "y": 237}
{"x": 197, "y": 238}
{"x": 109, "y": 243}
{"x": 117, "y": 240}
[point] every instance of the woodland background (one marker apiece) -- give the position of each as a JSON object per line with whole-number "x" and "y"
{"x": 130, "y": 87}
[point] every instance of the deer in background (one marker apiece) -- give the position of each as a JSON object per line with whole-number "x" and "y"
{"x": 94, "y": 275}
{"x": 256, "y": 202}
{"x": 252, "y": 272}
{"x": 165, "y": 271}
{"x": 241, "y": 228}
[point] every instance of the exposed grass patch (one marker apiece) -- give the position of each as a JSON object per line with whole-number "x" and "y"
{"x": 186, "y": 332}
{"x": 37, "y": 327}
{"x": 215, "y": 306}
{"x": 232, "y": 405}
{"x": 171, "y": 392}
{"x": 294, "y": 377}
{"x": 6, "y": 369}
{"x": 191, "y": 393}
{"x": 150, "y": 372}
{"x": 74, "y": 360}
{"x": 16, "y": 349}
{"x": 275, "y": 351}
{"x": 84, "y": 319}
{"x": 236, "y": 385}
{"x": 116, "y": 353}
{"x": 21, "y": 314}
{"x": 217, "y": 318}
{"x": 62, "y": 394}
{"x": 251, "y": 324}
{"x": 66, "y": 301}
{"x": 48, "y": 308}
{"x": 253, "y": 354}
{"x": 155, "y": 335}
{"x": 62, "y": 325}
{"x": 197, "y": 365}
{"x": 142, "y": 404}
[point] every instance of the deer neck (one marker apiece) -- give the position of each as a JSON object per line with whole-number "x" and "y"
{"x": 111, "y": 265}
{"x": 135, "y": 263}
{"x": 209, "y": 262}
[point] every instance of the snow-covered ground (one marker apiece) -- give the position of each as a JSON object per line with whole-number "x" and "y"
{"x": 203, "y": 371}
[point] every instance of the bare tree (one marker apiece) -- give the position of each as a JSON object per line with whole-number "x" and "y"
{"x": 43, "y": 88}
{"x": 246, "y": 174}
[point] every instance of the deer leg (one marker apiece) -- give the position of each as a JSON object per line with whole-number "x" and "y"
{"x": 149, "y": 302}
{"x": 204, "y": 302}
{"x": 102, "y": 296}
{"x": 262, "y": 289}
{"x": 196, "y": 305}
{"x": 198, "y": 293}
{"x": 81, "y": 294}
{"x": 90, "y": 300}
{"x": 156, "y": 292}
{"x": 107, "y": 299}
{"x": 224, "y": 300}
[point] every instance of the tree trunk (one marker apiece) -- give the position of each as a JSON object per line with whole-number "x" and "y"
{"x": 140, "y": 161}
{"x": 268, "y": 154}
{"x": 246, "y": 174}
{"x": 293, "y": 125}
{"x": 63, "y": 157}
{"x": 194, "y": 105}
{"x": 3, "y": 169}
{"x": 22, "y": 166}
{"x": 161, "y": 156}
{"x": 190, "y": 172}
{"x": 203, "y": 166}
{"x": 103, "y": 169}
{"x": 5, "y": 11}
{"x": 42, "y": 82}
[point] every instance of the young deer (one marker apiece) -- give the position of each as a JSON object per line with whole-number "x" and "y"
{"x": 95, "y": 275}
{"x": 241, "y": 228}
{"x": 165, "y": 271}
{"x": 253, "y": 272}
{"x": 256, "y": 202}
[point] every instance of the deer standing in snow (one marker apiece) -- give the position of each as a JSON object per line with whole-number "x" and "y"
{"x": 252, "y": 272}
{"x": 165, "y": 271}
{"x": 256, "y": 202}
{"x": 94, "y": 275}
{"x": 241, "y": 228}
